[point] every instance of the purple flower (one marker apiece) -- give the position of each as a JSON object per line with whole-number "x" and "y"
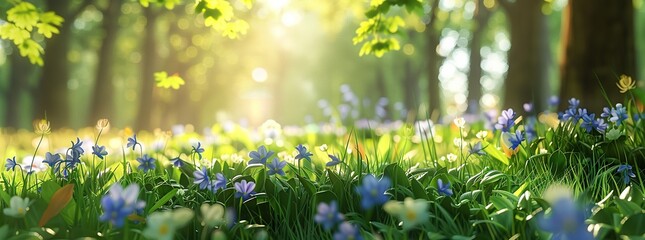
{"x": 132, "y": 142}
{"x": 626, "y": 171}
{"x": 302, "y": 153}
{"x": 120, "y": 203}
{"x": 477, "y": 149}
{"x": 146, "y": 163}
{"x": 275, "y": 167}
{"x": 244, "y": 189}
{"x": 600, "y": 125}
{"x": 528, "y": 107}
{"x": 567, "y": 221}
{"x": 588, "y": 121}
{"x": 328, "y": 215}
{"x": 177, "y": 162}
{"x": 516, "y": 139}
{"x": 99, "y": 151}
{"x": 201, "y": 178}
{"x": 618, "y": 114}
{"x": 52, "y": 159}
{"x": 372, "y": 192}
{"x": 334, "y": 161}
{"x": 347, "y": 231}
{"x": 260, "y": 156}
{"x": 554, "y": 101}
{"x": 574, "y": 103}
{"x": 506, "y": 120}
{"x": 77, "y": 149}
{"x": 444, "y": 189}
{"x": 198, "y": 149}
{"x": 218, "y": 183}
{"x": 11, "y": 163}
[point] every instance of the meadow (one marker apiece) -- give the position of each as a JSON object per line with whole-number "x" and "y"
{"x": 517, "y": 174}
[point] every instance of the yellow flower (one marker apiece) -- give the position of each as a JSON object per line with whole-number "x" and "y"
{"x": 625, "y": 83}
{"x": 42, "y": 127}
{"x": 103, "y": 124}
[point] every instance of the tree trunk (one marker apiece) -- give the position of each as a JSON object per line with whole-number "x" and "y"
{"x": 411, "y": 86}
{"x": 148, "y": 64}
{"x": 19, "y": 75}
{"x": 598, "y": 48}
{"x": 102, "y": 101}
{"x": 432, "y": 61}
{"x": 482, "y": 15}
{"x": 528, "y": 57}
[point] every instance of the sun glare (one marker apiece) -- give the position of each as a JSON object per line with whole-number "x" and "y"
{"x": 259, "y": 75}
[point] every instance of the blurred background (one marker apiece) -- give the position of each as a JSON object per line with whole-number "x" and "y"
{"x": 297, "y": 63}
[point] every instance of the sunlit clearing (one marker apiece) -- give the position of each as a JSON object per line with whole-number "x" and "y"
{"x": 291, "y": 18}
{"x": 259, "y": 74}
{"x": 277, "y": 5}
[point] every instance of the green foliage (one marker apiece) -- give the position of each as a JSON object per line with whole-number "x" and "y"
{"x": 22, "y": 19}
{"x": 219, "y": 15}
{"x": 164, "y": 81}
{"x": 377, "y": 32}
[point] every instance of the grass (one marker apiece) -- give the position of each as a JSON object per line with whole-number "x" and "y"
{"x": 498, "y": 195}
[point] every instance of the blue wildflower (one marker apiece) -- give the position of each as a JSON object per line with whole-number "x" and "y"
{"x": 334, "y": 161}
{"x": 328, "y": 215}
{"x": 606, "y": 112}
{"x": 516, "y": 139}
{"x": 618, "y": 114}
{"x": 626, "y": 171}
{"x": 600, "y": 125}
{"x": 554, "y": 101}
{"x": 528, "y": 107}
{"x": 201, "y": 178}
{"x": 52, "y": 159}
{"x": 567, "y": 221}
{"x": 529, "y": 129}
{"x": 347, "y": 231}
{"x": 574, "y": 103}
{"x": 177, "y": 162}
{"x": 275, "y": 167}
{"x": 11, "y": 163}
{"x": 146, "y": 163}
{"x": 570, "y": 114}
{"x": 132, "y": 142}
{"x": 506, "y": 120}
{"x": 119, "y": 203}
{"x": 99, "y": 151}
{"x": 303, "y": 153}
{"x": 198, "y": 149}
{"x": 218, "y": 183}
{"x": 244, "y": 189}
{"x": 444, "y": 189}
{"x": 77, "y": 149}
{"x": 372, "y": 192}
{"x": 260, "y": 156}
{"x": 477, "y": 149}
{"x": 588, "y": 122}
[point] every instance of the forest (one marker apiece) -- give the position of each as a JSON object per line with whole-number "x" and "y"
{"x": 336, "y": 119}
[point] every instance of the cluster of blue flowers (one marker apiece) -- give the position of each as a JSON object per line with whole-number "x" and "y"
{"x": 589, "y": 120}
{"x": 203, "y": 180}
{"x": 328, "y": 216}
{"x": 119, "y": 203}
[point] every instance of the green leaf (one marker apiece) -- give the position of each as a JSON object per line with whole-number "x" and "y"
{"x": 48, "y": 189}
{"x": 627, "y": 208}
{"x": 14, "y": 33}
{"x": 383, "y": 146}
{"x": 32, "y": 50}
{"x": 48, "y": 24}
{"x": 165, "y": 81}
{"x": 163, "y": 200}
{"x": 634, "y": 225}
{"x": 24, "y": 15}
{"x": 397, "y": 175}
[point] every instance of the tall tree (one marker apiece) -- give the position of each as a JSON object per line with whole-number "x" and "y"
{"x": 433, "y": 59}
{"x": 598, "y": 47}
{"x": 481, "y": 17}
{"x": 148, "y": 65}
{"x": 102, "y": 101}
{"x": 19, "y": 75}
{"x": 55, "y": 74}
{"x": 529, "y": 56}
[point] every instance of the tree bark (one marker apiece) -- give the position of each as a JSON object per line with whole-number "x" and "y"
{"x": 19, "y": 76}
{"x": 148, "y": 64}
{"x": 102, "y": 101}
{"x": 598, "y": 48}
{"x": 529, "y": 55}
{"x": 482, "y": 15}
{"x": 432, "y": 61}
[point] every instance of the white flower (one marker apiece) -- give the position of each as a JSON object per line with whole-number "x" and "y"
{"x": 213, "y": 214}
{"x": 162, "y": 225}
{"x": 482, "y": 134}
{"x": 33, "y": 164}
{"x": 411, "y": 212}
{"x": 451, "y": 157}
{"x": 460, "y": 122}
{"x": 324, "y": 148}
{"x": 460, "y": 143}
{"x": 18, "y": 207}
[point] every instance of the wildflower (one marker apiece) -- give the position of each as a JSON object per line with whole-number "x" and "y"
{"x": 328, "y": 215}
{"x": 99, "y": 151}
{"x": 477, "y": 149}
{"x": 323, "y": 147}
{"x": 132, "y": 142}
{"x": 482, "y": 134}
{"x": 567, "y": 221}
{"x": 102, "y": 124}
{"x": 119, "y": 203}
{"x": 411, "y": 212}
{"x": 41, "y": 127}
{"x": 11, "y": 163}
{"x": 444, "y": 189}
{"x": 275, "y": 167}
{"x": 372, "y": 192}
{"x": 574, "y": 103}
{"x": 588, "y": 122}
{"x": 626, "y": 171}
{"x": 625, "y": 83}
{"x": 554, "y": 101}
{"x": 529, "y": 129}
{"x": 213, "y": 215}
{"x": 334, "y": 161}
{"x": 201, "y": 178}
{"x": 162, "y": 225}
{"x": 218, "y": 183}
{"x": 571, "y": 113}
{"x": 18, "y": 207}
{"x": 506, "y": 121}
{"x": 77, "y": 149}
{"x": 244, "y": 189}
{"x": 618, "y": 114}
{"x": 146, "y": 163}
{"x": 460, "y": 122}
{"x": 199, "y": 150}
{"x": 260, "y": 156}
{"x": 52, "y": 159}
{"x": 528, "y": 107}
{"x": 600, "y": 125}
{"x": 33, "y": 164}
{"x": 516, "y": 139}
{"x": 302, "y": 153}
{"x": 451, "y": 157}
{"x": 347, "y": 231}
{"x": 177, "y": 162}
